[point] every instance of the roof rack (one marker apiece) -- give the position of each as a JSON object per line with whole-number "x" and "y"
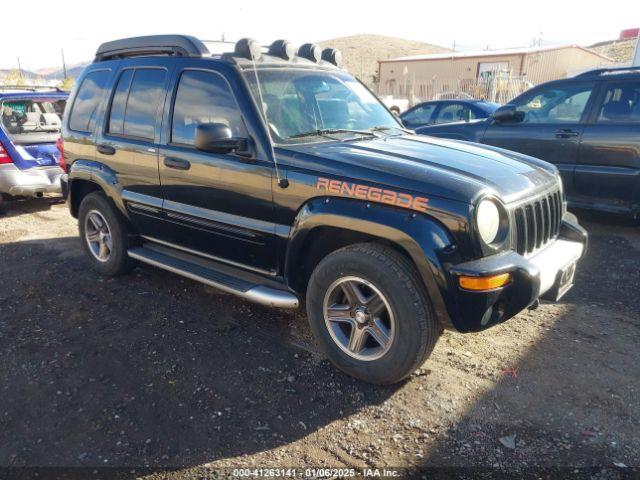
{"x": 604, "y": 71}
{"x": 176, "y": 45}
{"x": 31, "y": 88}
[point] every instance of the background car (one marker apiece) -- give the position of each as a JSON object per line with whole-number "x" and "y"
{"x": 29, "y": 157}
{"x": 588, "y": 126}
{"x": 446, "y": 111}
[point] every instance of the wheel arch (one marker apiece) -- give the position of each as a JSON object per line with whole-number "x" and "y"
{"x": 86, "y": 177}
{"x": 324, "y": 225}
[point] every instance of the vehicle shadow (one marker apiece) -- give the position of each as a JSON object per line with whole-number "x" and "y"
{"x": 571, "y": 399}
{"x": 14, "y": 207}
{"x": 149, "y": 369}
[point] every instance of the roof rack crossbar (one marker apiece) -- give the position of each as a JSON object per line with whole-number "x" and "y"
{"x": 177, "y": 45}
{"x": 601, "y": 71}
{"x": 31, "y": 88}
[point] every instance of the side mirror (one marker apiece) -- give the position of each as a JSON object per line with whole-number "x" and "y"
{"x": 507, "y": 113}
{"x": 218, "y": 138}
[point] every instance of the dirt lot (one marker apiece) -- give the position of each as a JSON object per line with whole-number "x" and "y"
{"x": 152, "y": 370}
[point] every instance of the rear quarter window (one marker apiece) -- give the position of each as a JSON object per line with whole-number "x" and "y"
{"x": 82, "y": 117}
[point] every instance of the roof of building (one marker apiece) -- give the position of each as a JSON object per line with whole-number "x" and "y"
{"x": 488, "y": 53}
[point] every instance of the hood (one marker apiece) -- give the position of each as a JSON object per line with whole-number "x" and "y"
{"x": 449, "y": 169}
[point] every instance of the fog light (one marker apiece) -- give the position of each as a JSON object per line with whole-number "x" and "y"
{"x": 484, "y": 283}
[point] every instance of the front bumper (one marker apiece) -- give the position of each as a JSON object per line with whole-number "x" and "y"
{"x": 545, "y": 275}
{"x": 30, "y": 182}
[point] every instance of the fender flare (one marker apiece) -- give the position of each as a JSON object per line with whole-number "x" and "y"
{"x": 421, "y": 236}
{"x": 103, "y": 176}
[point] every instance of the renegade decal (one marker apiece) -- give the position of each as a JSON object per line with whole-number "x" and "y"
{"x": 373, "y": 194}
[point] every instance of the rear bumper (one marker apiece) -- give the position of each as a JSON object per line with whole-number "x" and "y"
{"x": 541, "y": 276}
{"x": 30, "y": 182}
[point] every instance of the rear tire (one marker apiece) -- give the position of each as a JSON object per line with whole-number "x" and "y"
{"x": 104, "y": 235}
{"x": 389, "y": 330}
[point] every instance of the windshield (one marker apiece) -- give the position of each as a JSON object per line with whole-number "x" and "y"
{"x": 32, "y": 120}
{"x": 317, "y": 106}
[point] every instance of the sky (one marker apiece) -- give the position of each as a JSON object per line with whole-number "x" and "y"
{"x": 78, "y": 28}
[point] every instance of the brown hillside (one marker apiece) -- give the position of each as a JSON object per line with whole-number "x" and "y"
{"x": 361, "y": 52}
{"x": 618, "y": 50}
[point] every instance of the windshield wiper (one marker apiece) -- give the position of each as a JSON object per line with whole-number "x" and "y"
{"x": 383, "y": 128}
{"x": 327, "y": 132}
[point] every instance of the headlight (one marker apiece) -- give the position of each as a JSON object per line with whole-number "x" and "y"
{"x": 489, "y": 221}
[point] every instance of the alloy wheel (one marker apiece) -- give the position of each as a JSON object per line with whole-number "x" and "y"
{"x": 98, "y": 236}
{"x": 359, "y": 318}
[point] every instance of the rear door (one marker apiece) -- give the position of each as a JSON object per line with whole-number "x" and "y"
{"x": 607, "y": 173}
{"x": 553, "y": 121}
{"x": 128, "y": 139}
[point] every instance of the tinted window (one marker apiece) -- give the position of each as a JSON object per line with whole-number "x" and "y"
{"x": 91, "y": 92}
{"x": 134, "y": 113}
{"x": 420, "y": 114}
{"x": 621, "y": 103}
{"x": 559, "y": 104}
{"x": 455, "y": 112}
{"x": 203, "y": 97}
{"x": 299, "y": 103}
{"x": 119, "y": 103}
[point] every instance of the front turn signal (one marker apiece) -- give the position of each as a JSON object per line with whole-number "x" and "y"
{"x": 480, "y": 284}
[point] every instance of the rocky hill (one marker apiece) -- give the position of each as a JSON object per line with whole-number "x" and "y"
{"x": 361, "y": 52}
{"x": 619, "y": 50}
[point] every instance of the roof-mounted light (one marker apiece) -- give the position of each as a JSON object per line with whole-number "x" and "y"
{"x": 333, "y": 56}
{"x": 248, "y": 48}
{"x": 310, "y": 51}
{"x": 283, "y": 49}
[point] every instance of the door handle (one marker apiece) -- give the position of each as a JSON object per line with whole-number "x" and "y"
{"x": 106, "y": 149}
{"x": 177, "y": 163}
{"x": 566, "y": 133}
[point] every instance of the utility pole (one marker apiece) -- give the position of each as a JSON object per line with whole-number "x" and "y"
{"x": 19, "y": 69}
{"x": 64, "y": 65}
{"x": 635, "y": 62}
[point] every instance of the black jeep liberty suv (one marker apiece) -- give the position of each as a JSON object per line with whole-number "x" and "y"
{"x": 270, "y": 173}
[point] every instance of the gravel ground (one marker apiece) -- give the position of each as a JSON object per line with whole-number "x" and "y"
{"x": 152, "y": 370}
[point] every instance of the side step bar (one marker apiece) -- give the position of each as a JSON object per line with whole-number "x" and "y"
{"x": 262, "y": 294}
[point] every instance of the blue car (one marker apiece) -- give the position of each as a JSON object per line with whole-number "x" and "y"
{"x": 29, "y": 154}
{"x": 447, "y": 111}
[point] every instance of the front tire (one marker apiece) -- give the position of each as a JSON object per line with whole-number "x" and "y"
{"x": 370, "y": 314}
{"x": 104, "y": 235}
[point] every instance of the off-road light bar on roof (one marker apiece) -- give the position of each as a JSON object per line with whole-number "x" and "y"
{"x": 188, "y": 46}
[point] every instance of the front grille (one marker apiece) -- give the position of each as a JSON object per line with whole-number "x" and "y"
{"x": 537, "y": 222}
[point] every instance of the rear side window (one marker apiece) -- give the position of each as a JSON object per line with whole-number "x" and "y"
{"x": 420, "y": 114}
{"x": 621, "y": 103}
{"x": 454, "y": 112}
{"x": 134, "y": 107}
{"x": 203, "y": 97}
{"x": 82, "y": 117}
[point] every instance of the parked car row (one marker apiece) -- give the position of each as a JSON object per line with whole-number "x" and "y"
{"x": 588, "y": 126}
